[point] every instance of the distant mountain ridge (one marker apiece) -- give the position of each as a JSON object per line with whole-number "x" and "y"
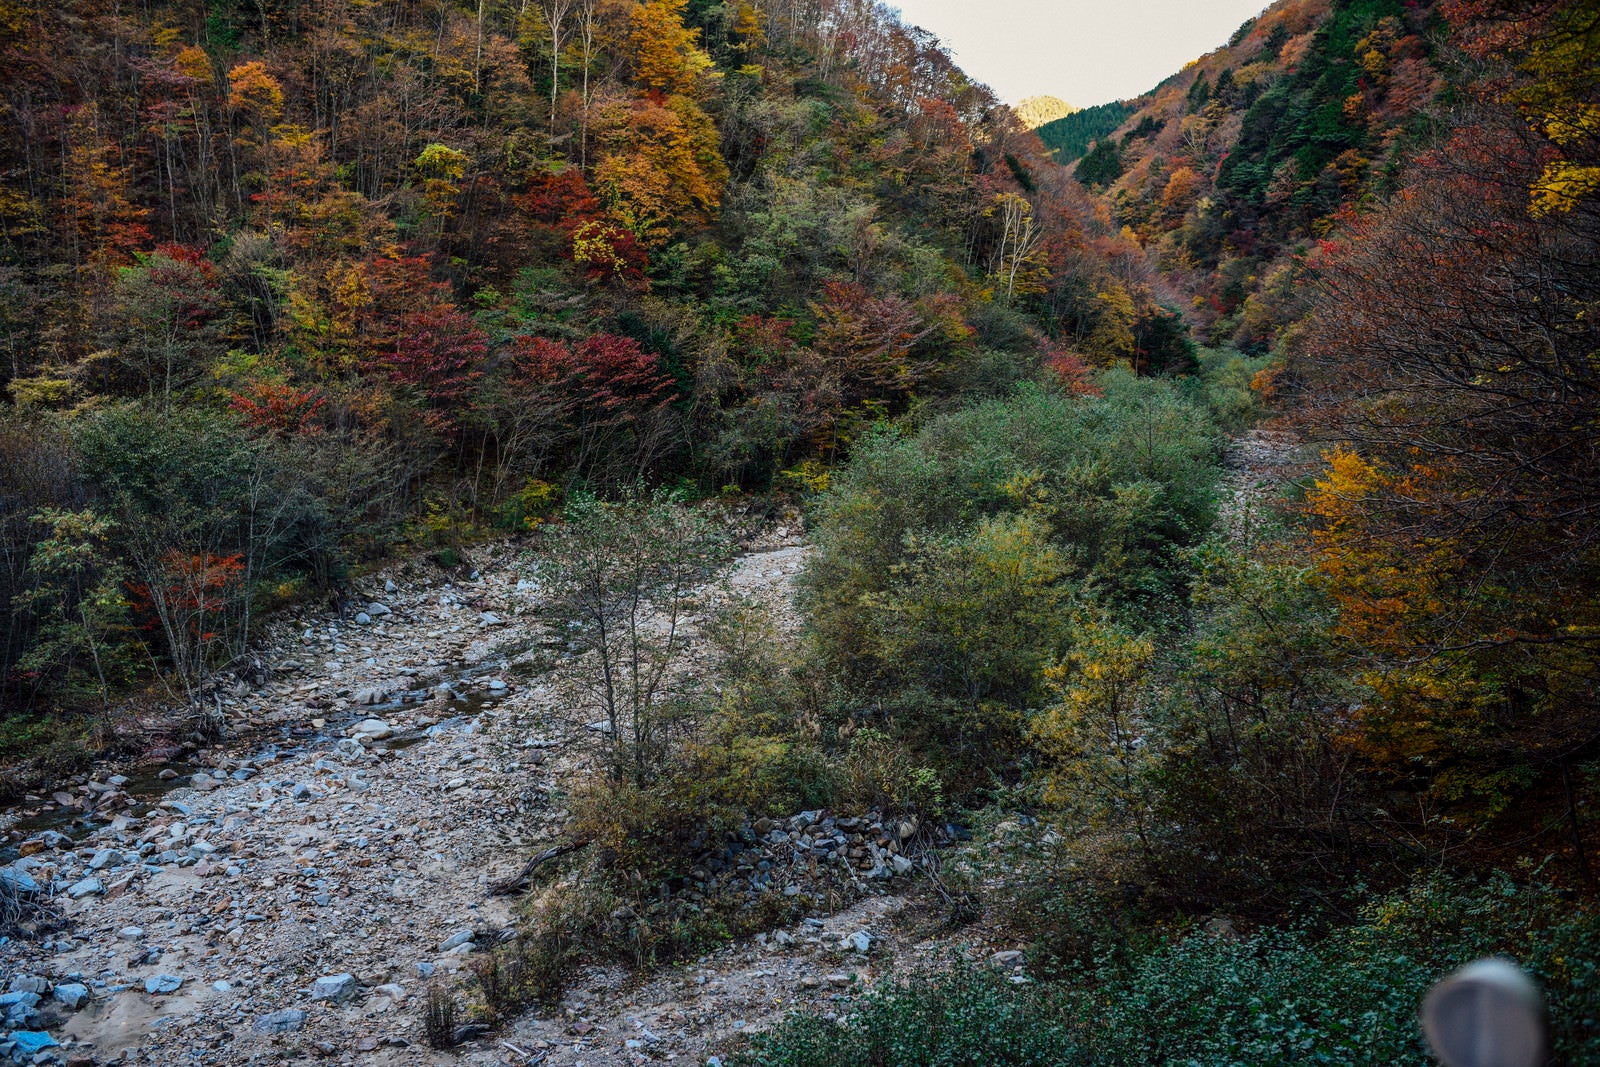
{"x": 1070, "y": 136}
{"x": 1036, "y": 111}
{"x": 1227, "y": 170}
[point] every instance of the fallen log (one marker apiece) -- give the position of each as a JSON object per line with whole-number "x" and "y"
{"x": 511, "y": 885}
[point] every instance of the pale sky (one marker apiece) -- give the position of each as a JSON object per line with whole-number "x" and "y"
{"x": 1084, "y": 51}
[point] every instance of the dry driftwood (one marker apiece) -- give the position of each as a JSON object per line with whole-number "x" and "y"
{"x": 518, "y": 880}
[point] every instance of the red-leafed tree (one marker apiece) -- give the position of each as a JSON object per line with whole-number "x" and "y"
{"x": 439, "y": 354}
{"x": 611, "y": 397}
{"x": 871, "y": 343}
{"x": 278, "y": 409}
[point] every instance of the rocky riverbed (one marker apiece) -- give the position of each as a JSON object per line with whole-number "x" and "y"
{"x": 290, "y": 896}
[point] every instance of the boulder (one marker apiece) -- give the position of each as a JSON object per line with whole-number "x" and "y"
{"x": 465, "y": 937}
{"x": 335, "y": 988}
{"x": 19, "y": 882}
{"x": 87, "y": 887}
{"x": 71, "y": 995}
{"x": 371, "y": 730}
{"x": 29, "y": 1043}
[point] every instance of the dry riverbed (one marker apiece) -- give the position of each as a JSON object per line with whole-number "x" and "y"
{"x": 291, "y": 899}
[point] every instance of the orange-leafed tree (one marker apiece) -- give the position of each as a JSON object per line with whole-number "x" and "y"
{"x": 660, "y": 165}
{"x": 668, "y": 58}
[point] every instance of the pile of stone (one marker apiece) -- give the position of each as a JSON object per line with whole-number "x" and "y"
{"x": 809, "y": 851}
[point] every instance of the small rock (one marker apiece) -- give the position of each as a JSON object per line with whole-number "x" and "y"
{"x": 85, "y": 888}
{"x": 131, "y": 933}
{"x": 18, "y": 1007}
{"x": 425, "y": 970}
{"x": 19, "y": 882}
{"x": 338, "y": 988}
{"x": 28, "y": 983}
{"x": 161, "y": 984}
{"x": 222, "y": 987}
{"x": 280, "y": 1022}
{"x": 489, "y": 618}
{"x": 30, "y": 1043}
{"x": 860, "y": 941}
{"x": 456, "y": 940}
{"x": 72, "y": 995}
{"x": 363, "y": 619}
{"x": 372, "y": 729}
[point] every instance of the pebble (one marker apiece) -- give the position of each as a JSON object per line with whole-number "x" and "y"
{"x": 280, "y": 1022}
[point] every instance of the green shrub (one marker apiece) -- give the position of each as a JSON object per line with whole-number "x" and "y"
{"x": 1279, "y": 997}
{"x": 948, "y": 561}
{"x": 966, "y": 1017}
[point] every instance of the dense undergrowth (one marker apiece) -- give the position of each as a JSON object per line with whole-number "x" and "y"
{"x": 1346, "y": 996}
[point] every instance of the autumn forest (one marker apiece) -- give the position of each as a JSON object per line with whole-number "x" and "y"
{"x": 1200, "y": 489}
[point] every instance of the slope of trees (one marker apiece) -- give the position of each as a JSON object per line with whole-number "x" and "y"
{"x": 1070, "y": 136}
{"x": 399, "y": 261}
{"x": 1230, "y": 172}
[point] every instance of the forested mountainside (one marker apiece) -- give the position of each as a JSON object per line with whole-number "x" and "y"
{"x": 1199, "y": 618}
{"x": 1071, "y": 136}
{"x": 287, "y": 285}
{"x": 1230, "y": 171}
